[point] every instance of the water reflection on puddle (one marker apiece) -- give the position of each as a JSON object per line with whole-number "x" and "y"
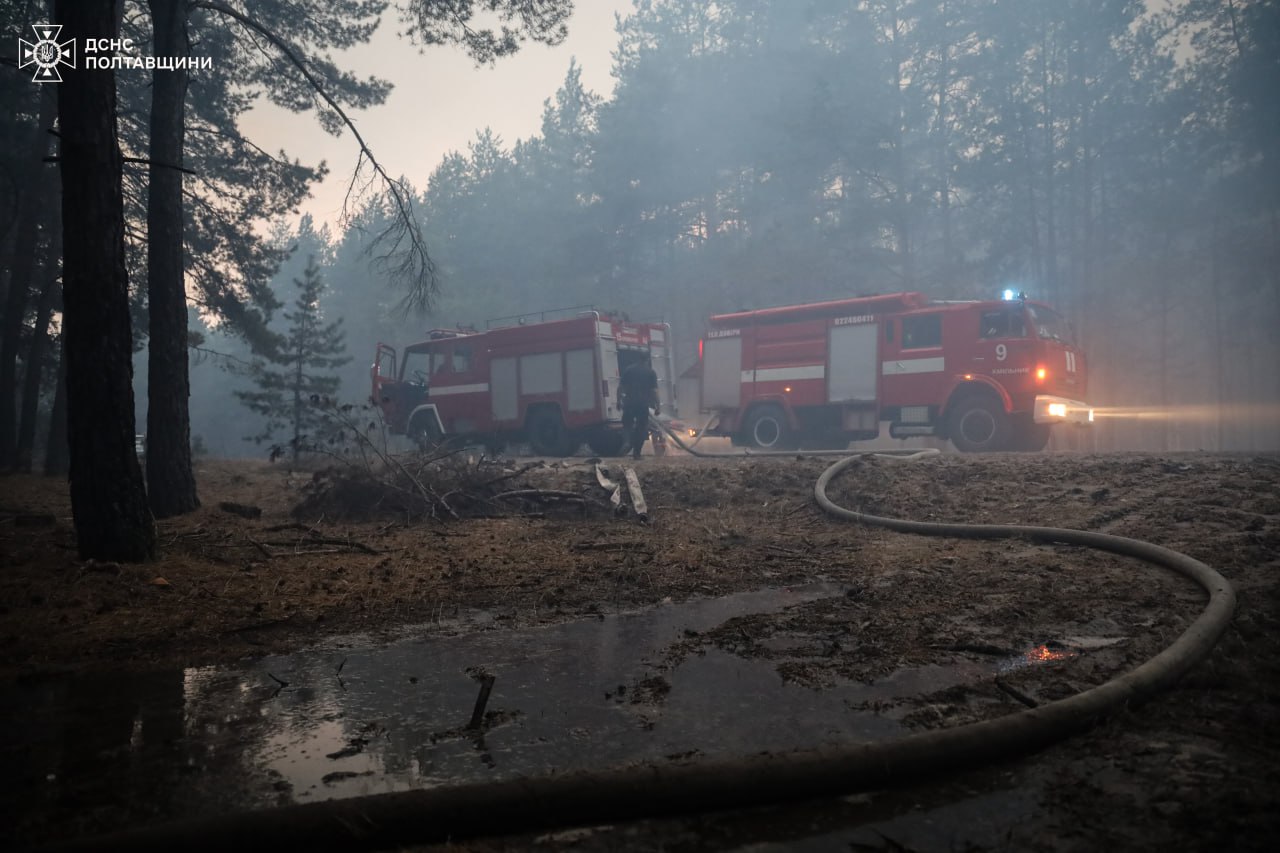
{"x": 351, "y": 718}
{"x": 582, "y": 694}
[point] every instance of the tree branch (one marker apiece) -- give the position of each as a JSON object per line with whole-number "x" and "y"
{"x": 415, "y": 267}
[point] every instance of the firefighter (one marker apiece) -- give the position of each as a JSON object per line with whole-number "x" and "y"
{"x": 639, "y": 392}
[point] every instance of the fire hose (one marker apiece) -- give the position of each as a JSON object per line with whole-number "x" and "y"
{"x": 745, "y": 453}
{"x": 586, "y": 798}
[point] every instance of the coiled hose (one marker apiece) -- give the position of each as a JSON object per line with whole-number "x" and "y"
{"x": 587, "y": 798}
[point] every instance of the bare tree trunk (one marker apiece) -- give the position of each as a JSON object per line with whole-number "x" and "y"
{"x": 1273, "y": 393}
{"x": 171, "y": 483}
{"x": 942, "y": 148}
{"x": 38, "y": 352}
{"x": 31, "y": 204}
{"x": 297, "y": 406}
{"x": 1033, "y": 215}
{"x": 1215, "y": 299}
{"x": 1050, "y": 173}
{"x": 901, "y": 198}
{"x": 57, "y": 461}
{"x": 108, "y": 500}
{"x": 1164, "y": 364}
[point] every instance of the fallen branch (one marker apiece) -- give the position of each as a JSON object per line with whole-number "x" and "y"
{"x": 1010, "y": 690}
{"x": 262, "y": 548}
{"x": 477, "y": 713}
{"x": 608, "y": 546}
{"x": 321, "y": 540}
{"x": 510, "y": 475}
{"x": 426, "y": 491}
{"x": 540, "y": 495}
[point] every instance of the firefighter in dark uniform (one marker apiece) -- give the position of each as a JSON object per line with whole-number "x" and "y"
{"x": 639, "y": 391}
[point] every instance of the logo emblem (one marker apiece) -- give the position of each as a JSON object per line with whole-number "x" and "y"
{"x": 46, "y": 53}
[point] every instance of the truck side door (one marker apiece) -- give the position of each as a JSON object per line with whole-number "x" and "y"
{"x": 913, "y": 367}
{"x": 382, "y": 373}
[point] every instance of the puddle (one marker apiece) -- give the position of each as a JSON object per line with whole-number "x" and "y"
{"x": 104, "y": 751}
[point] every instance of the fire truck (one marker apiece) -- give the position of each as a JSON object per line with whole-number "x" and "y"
{"x": 548, "y": 381}
{"x": 988, "y": 376}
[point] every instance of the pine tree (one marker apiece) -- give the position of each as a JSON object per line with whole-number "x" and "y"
{"x": 301, "y": 371}
{"x": 108, "y": 499}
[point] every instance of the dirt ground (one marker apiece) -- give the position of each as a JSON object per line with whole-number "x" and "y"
{"x": 1196, "y": 768}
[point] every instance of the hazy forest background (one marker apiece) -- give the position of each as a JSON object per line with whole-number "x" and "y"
{"x": 1119, "y": 159}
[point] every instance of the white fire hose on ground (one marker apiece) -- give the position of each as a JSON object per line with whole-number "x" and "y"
{"x": 586, "y": 798}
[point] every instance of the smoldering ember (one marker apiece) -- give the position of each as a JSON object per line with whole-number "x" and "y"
{"x": 634, "y": 425}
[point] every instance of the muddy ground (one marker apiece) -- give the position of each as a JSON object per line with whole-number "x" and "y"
{"x": 1196, "y": 768}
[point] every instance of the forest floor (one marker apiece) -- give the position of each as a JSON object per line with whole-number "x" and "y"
{"x": 1195, "y": 768}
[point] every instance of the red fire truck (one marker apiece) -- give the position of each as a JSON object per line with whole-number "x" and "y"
{"x": 986, "y": 375}
{"x": 551, "y": 382}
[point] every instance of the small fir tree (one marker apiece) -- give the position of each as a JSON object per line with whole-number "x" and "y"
{"x": 299, "y": 374}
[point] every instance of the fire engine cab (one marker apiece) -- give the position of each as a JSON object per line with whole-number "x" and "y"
{"x": 552, "y": 383}
{"x": 986, "y": 375}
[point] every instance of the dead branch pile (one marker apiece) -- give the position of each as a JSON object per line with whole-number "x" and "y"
{"x": 443, "y": 485}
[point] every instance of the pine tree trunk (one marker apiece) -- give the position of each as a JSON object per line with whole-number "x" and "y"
{"x": 297, "y": 405}
{"x": 56, "y": 460}
{"x": 171, "y": 483}
{"x": 36, "y": 355}
{"x": 947, "y": 269}
{"x": 108, "y": 501}
{"x": 31, "y": 204}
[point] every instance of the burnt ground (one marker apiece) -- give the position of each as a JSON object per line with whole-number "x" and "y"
{"x": 1198, "y": 767}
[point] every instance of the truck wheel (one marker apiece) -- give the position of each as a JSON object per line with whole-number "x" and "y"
{"x": 548, "y": 435}
{"x": 1029, "y": 435}
{"x": 979, "y": 425}
{"x": 767, "y": 429}
{"x": 425, "y": 433}
{"x": 607, "y": 442}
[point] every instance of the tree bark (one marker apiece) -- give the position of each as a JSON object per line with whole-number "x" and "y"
{"x": 30, "y": 213}
{"x": 38, "y": 352}
{"x": 108, "y": 500}
{"x": 57, "y": 462}
{"x": 171, "y": 483}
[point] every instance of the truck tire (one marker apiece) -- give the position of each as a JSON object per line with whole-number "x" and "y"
{"x": 1028, "y": 435}
{"x": 767, "y": 429}
{"x": 548, "y": 435}
{"x": 425, "y": 433}
{"x": 979, "y": 425}
{"x": 607, "y": 442}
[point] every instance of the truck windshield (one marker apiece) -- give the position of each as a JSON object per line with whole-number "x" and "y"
{"x": 1007, "y": 321}
{"x": 1049, "y": 324}
{"x": 417, "y": 367}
